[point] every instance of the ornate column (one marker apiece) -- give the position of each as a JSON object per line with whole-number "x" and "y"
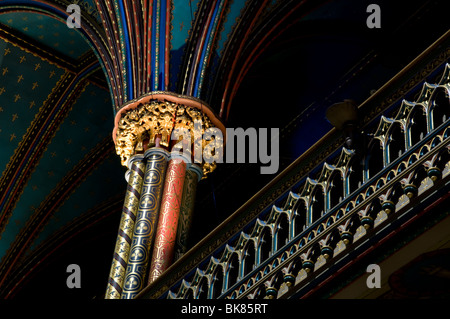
{"x": 125, "y": 234}
{"x": 193, "y": 176}
{"x": 163, "y": 250}
{"x": 163, "y": 119}
{"x": 145, "y": 226}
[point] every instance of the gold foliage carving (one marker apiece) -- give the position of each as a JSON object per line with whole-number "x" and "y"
{"x": 139, "y": 127}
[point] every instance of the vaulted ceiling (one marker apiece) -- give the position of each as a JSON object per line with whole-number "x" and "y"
{"x": 257, "y": 63}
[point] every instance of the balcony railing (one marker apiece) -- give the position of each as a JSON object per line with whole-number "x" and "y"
{"x": 314, "y": 211}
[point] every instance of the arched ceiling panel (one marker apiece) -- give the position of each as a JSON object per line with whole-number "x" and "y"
{"x": 100, "y": 184}
{"x": 25, "y": 83}
{"x": 48, "y": 31}
{"x": 55, "y": 127}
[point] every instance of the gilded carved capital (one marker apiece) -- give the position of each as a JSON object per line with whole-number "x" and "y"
{"x": 140, "y": 123}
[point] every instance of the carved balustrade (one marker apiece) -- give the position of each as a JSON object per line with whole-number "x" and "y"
{"x": 338, "y": 204}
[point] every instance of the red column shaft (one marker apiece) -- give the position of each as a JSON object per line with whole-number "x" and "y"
{"x": 164, "y": 246}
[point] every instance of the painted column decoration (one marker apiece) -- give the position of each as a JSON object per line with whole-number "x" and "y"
{"x": 163, "y": 250}
{"x": 193, "y": 175}
{"x": 149, "y": 124}
{"x": 146, "y": 221}
{"x": 125, "y": 234}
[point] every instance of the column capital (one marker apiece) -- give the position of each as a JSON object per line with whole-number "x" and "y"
{"x": 150, "y": 120}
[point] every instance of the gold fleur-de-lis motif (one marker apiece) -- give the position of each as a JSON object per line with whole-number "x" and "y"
{"x": 137, "y": 253}
{"x": 142, "y": 227}
{"x": 131, "y": 282}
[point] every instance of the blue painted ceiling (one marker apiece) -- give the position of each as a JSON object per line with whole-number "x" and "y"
{"x": 48, "y": 31}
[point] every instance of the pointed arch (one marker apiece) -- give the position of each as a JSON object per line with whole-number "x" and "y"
{"x": 217, "y": 281}
{"x": 396, "y": 144}
{"x": 282, "y": 234}
{"x": 249, "y": 257}
{"x": 203, "y": 289}
{"x": 300, "y": 216}
{"x": 374, "y": 159}
{"x": 440, "y": 106}
{"x": 336, "y": 191}
{"x": 417, "y": 125}
{"x": 317, "y": 207}
{"x": 232, "y": 272}
{"x": 265, "y": 245}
